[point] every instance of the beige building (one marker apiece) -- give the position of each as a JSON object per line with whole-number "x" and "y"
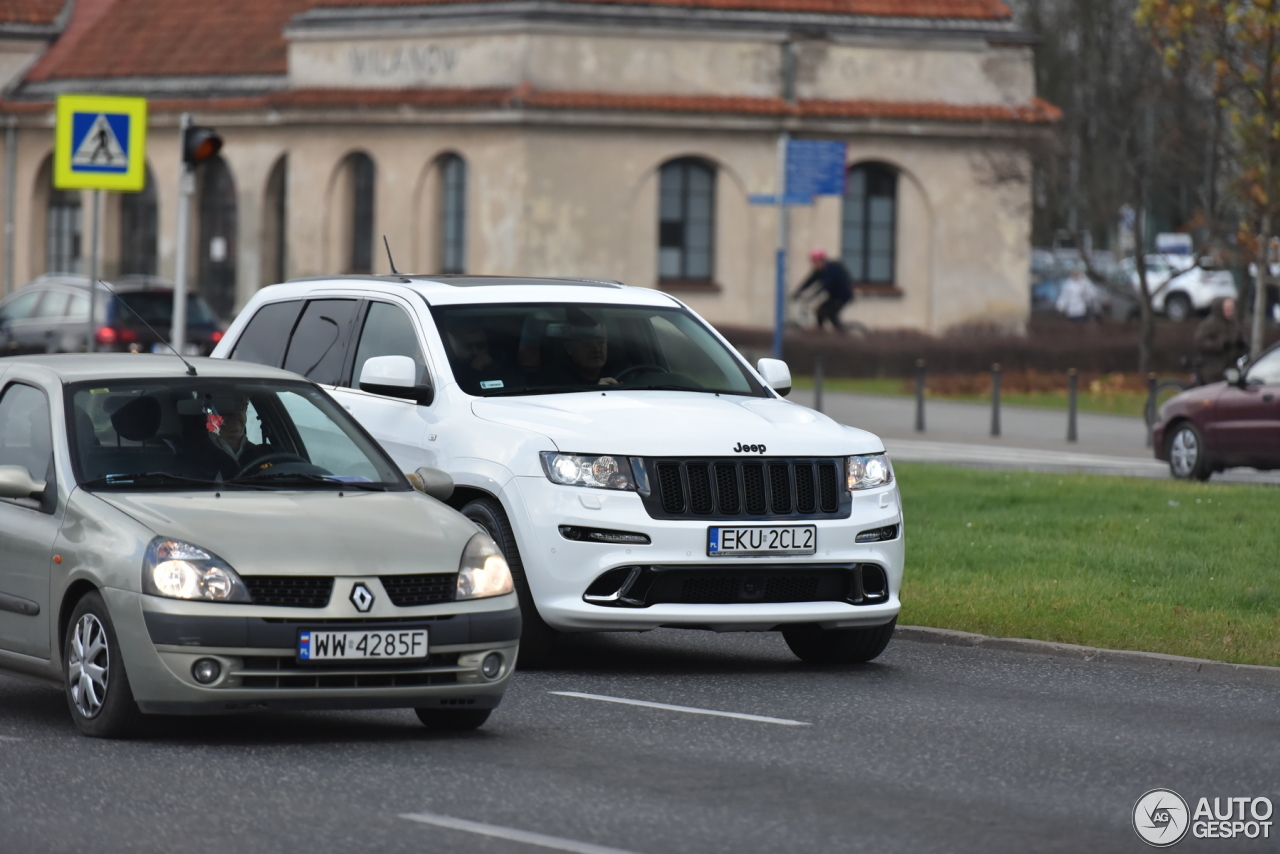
{"x": 595, "y": 138}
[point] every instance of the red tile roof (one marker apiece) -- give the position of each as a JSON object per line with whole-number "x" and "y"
{"x": 983, "y": 9}
{"x": 1037, "y": 112}
{"x": 162, "y": 38}
{"x": 30, "y": 11}
{"x": 166, "y": 38}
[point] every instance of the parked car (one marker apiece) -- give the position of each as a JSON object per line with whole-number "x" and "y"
{"x": 1179, "y": 289}
{"x": 635, "y": 471}
{"x": 227, "y": 539}
{"x": 1223, "y": 424}
{"x": 50, "y": 315}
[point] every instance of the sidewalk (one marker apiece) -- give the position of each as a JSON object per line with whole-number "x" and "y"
{"x": 1030, "y": 438}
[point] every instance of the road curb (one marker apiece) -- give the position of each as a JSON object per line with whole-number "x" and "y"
{"x": 1250, "y": 672}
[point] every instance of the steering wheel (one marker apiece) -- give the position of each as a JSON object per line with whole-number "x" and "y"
{"x": 273, "y": 458}
{"x": 635, "y": 369}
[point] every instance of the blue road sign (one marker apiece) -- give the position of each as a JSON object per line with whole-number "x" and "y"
{"x": 814, "y": 168}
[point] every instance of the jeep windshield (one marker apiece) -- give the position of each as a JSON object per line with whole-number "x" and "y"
{"x": 192, "y": 433}
{"x": 559, "y": 348}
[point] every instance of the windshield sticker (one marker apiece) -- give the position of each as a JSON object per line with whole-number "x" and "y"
{"x": 99, "y": 390}
{"x": 491, "y": 384}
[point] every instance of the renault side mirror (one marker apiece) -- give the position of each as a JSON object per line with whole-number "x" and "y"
{"x": 395, "y": 376}
{"x": 17, "y": 482}
{"x": 776, "y": 374}
{"x": 1233, "y": 376}
{"x": 434, "y": 482}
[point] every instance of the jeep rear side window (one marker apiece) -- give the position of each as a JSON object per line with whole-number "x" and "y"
{"x": 320, "y": 340}
{"x": 263, "y": 340}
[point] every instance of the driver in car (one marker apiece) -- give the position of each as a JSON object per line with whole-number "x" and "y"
{"x": 586, "y": 343}
{"x": 225, "y": 450}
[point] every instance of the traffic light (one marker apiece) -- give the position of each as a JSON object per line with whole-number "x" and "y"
{"x": 199, "y": 145}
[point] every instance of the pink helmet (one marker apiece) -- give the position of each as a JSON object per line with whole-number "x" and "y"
{"x": 817, "y": 254}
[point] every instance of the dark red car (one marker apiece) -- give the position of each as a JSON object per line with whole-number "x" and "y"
{"x": 1224, "y": 424}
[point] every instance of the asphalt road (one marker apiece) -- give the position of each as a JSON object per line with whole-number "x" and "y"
{"x": 931, "y": 748}
{"x": 1031, "y": 438}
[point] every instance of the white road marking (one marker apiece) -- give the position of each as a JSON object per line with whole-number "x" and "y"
{"x": 689, "y": 709}
{"x": 526, "y": 836}
{"x": 9, "y": 738}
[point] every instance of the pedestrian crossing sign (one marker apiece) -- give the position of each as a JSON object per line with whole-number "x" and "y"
{"x": 100, "y": 143}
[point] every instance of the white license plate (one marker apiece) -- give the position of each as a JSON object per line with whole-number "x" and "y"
{"x": 375, "y": 644}
{"x": 762, "y": 540}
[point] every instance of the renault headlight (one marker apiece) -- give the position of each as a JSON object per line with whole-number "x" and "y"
{"x": 867, "y": 470}
{"x": 602, "y": 471}
{"x": 483, "y": 571}
{"x": 179, "y": 570}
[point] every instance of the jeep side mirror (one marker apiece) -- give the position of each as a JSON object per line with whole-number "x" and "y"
{"x": 434, "y": 482}
{"x": 394, "y": 376}
{"x": 1233, "y": 376}
{"x": 17, "y": 482}
{"x": 776, "y": 374}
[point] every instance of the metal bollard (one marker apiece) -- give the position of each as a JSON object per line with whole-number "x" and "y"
{"x": 817, "y": 382}
{"x": 995, "y": 399}
{"x": 1151, "y": 405}
{"x": 1073, "y": 382}
{"x": 919, "y": 395}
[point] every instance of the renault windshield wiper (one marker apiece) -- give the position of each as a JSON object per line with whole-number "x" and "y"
{"x": 280, "y": 478}
{"x": 147, "y": 478}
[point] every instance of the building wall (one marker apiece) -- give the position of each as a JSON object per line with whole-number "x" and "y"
{"x": 548, "y": 201}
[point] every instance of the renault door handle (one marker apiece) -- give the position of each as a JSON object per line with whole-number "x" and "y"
{"x": 1267, "y": 398}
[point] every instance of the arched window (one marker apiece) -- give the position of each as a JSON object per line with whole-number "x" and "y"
{"x": 62, "y": 232}
{"x": 216, "y": 252}
{"x": 275, "y": 223}
{"x": 361, "y": 173}
{"x": 138, "y": 230}
{"x": 686, "y": 220}
{"x": 453, "y": 214}
{"x": 868, "y": 234}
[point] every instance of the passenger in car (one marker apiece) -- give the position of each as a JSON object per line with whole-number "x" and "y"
{"x": 475, "y": 368}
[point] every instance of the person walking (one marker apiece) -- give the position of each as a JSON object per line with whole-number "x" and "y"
{"x": 1219, "y": 340}
{"x": 1078, "y": 298}
{"x": 832, "y": 277}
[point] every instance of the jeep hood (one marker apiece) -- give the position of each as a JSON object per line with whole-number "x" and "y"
{"x": 674, "y": 423}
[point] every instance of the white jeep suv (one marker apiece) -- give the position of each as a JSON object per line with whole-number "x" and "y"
{"x": 634, "y": 468}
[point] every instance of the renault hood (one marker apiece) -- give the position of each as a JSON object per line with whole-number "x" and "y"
{"x": 674, "y": 423}
{"x": 308, "y": 532}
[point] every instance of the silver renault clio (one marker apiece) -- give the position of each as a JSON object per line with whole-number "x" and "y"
{"x": 216, "y": 537}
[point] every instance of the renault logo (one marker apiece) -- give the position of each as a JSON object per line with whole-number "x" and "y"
{"x": 361, "y": 598}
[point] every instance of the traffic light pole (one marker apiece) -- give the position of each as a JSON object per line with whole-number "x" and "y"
{"x": 91, "y": 343}
{"x": 186, "y": 182}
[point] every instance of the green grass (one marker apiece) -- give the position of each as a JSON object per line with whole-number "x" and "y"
{"x": 1121, "y": 563}
{"x": 1113, "y": 403}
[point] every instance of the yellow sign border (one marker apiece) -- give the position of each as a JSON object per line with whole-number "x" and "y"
{"x": 132, "y": 179}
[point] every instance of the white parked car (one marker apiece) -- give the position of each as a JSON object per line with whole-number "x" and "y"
{"x": 1179, "y": 288}
{"x": 633, "y": 468}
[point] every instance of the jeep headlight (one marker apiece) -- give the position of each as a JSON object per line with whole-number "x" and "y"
{"x": 179, "y": 570}
{"x": 601, "y": 471}
{"x": 867, "y": 470}
{"x": 483, "y": 571}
